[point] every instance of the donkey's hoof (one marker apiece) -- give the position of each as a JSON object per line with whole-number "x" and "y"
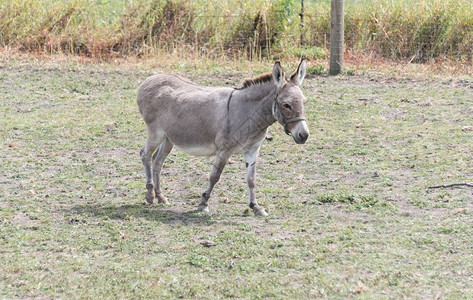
{"x": 260, "y": 212}
{"x": 204, "y": 208}
{"x": 149, "y": 196}
{"x": 163, "y": 200}
{"x": 149, "y": 200}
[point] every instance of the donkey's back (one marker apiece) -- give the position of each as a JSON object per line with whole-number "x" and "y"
{"x": 168, "y": 94}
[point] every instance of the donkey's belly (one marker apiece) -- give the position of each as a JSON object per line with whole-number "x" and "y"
{"x": 199, "y": 150}
{"x": 192, "y": 138}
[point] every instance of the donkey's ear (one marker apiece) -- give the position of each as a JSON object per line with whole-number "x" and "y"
{"x": 278, "y": 75}
{"x": 298, "y": 76}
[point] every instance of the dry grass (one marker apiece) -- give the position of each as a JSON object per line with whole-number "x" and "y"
{"x": 411, "y": 30}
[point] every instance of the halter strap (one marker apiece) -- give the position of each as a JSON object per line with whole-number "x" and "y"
{"x": 285, "y": 120}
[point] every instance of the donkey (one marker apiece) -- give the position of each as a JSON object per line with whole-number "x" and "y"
{"x": 220, "y": 121}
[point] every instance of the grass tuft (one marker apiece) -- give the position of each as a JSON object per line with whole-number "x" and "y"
{"x": 358, "y": 201}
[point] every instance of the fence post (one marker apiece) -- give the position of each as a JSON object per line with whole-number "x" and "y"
{"x": 336, "y": 37}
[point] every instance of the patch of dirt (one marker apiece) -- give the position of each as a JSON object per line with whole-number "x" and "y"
{"x": 26, "y": 220}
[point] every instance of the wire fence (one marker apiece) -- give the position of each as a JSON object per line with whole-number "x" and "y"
{"x": 258, "y": 35}
{"x": 411, "y": 30}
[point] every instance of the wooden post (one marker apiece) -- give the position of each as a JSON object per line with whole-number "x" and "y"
{"x": 336, "y": 37}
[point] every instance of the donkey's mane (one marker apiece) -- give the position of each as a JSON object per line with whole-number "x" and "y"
{"x": 263, "y": 78}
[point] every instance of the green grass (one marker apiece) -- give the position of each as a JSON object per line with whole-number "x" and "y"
{"x": 350, "y": 212}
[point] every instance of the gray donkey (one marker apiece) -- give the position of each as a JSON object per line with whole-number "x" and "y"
{"x": 219, "y": 121}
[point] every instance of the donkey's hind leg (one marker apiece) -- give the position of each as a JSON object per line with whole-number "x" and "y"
{"x": 152, "y": 142}
{"x": 158, "y": 160}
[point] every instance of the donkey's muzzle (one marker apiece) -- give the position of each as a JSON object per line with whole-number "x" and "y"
{"x": 301, "y": 138}
{"x": 300, "y": 133}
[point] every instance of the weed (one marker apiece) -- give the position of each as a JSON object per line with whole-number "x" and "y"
{"x": 358, "y": 201}
{"x": 312, "y": 53}
{"x": 317, "y": 70}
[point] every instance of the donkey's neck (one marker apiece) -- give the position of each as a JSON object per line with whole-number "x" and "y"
{"x": 260, "y": 98}
{"x": 257, "y": 91}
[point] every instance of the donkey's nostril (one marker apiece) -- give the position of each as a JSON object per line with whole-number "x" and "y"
{"x": 303, "y": 137}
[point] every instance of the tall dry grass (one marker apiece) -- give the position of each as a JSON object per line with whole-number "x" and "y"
{"x": 400, "y": 29}
{"x": 416, "y": 30}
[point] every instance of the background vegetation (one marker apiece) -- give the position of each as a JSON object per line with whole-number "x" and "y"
{"x": 414, "y": 30}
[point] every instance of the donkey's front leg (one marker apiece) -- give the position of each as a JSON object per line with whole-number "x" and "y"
{"x": 250, "y": 162}
{"x": 219, "y": 163}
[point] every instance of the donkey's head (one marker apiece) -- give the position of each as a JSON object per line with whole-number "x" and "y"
{"x": 288, "y": 107}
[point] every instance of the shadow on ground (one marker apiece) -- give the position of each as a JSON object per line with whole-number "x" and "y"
{"x": 155, "y": 213}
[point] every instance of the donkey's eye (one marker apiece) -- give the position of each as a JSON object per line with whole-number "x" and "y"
{"x": 285, "y": 105}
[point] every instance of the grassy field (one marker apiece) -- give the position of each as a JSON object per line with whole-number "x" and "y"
{"x": 351, "y": 215}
